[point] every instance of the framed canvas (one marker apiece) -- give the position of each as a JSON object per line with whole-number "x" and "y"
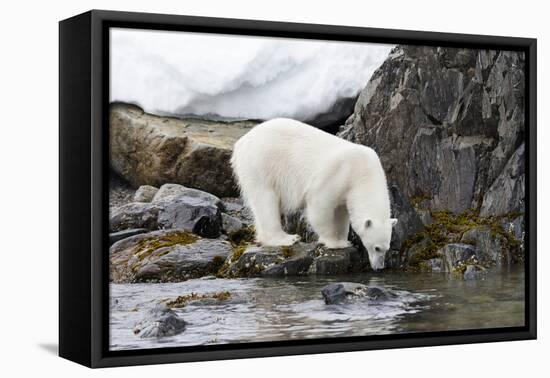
{"x": 234, "y": 188}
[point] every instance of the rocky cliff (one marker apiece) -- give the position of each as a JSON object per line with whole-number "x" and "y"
{"x": 448, "y": 125}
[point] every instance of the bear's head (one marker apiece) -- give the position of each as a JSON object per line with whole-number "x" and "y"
{"x": 376, "y": 236}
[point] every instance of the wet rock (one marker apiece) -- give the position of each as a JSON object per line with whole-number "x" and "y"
{"x": 337, "y": 261}
{"x": 490, "y": 248}
{"x": 472, "y": 272}
{"x": 152, "y": 150}
{"x": 455, "y": 254}
{"x": 434, "y": 265}
{"x": 134, "y": 215}
{"x": 445, "y": 122}
{"x": 273, "y": 261}
{"x": 117, "y": 236}
{"x": 408, "y": 223}
{"x": 166, "y": 256}
{"x": 145, "y": 193}
{"x": 159, "y": 322}
{"x": 336, "y": 293}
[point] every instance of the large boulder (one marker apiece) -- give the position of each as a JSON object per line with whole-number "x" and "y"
{"x": 455, "y": 255}
{"x": 445, "y": 123}
{"x": 145, "y": 193}
{"x": 152, "y": 150}
{"x": 491, "y": 248}
{"x": 166, "y": 256}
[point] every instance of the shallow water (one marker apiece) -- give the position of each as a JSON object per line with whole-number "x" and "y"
{"x": 293, "y": 308}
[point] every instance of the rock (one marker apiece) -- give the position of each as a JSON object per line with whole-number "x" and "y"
{"x": 145, "y": 193}
{"x": 191, "y": 214}
{"x": 231, "y": 224}
{"x": 152, "y": 150}
{"x": 445, "y": 123}
{"x": 170, "y": 191}
{"x": 434, "y": 265}
{"x": 507, "y": 194}
{"x": 330, "y": 120}
{"x": 273, "y": 261}
{"x": 455, "y": 254}
{"x": 117, "y": 236}
{"x": 234, "y": 206}
{"x": 166, "y": 256}
{"x": 120, "y": 191}
{"x": 337, "y": 261}
{"x": 336, "y": 293}
{"x": 189, "y": 210}
{"x": 408, "y": 223}
{"x": 134, "y": 215}
{"x": 159, "y": 322}
{"x": 472, "y": 273}
{"x": 490, "y": 248}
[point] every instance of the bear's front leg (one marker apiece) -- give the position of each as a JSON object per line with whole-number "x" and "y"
{"x": 324, "y": 221}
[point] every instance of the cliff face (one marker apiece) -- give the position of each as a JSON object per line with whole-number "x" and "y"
{"x": 448, "y": 125}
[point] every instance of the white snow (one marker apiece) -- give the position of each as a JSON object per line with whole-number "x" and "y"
{"x": 237, "y": 76}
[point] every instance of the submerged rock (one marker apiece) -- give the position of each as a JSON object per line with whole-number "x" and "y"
{"x": 166, "y": 256}
{"x": 159, "y": 322}
{"x": 335, "y": 293}
{"x": 472, "y": 272}
{"x": 152, "y": 150}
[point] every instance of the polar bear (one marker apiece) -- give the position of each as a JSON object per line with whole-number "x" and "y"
{"x": 283, "y": 165}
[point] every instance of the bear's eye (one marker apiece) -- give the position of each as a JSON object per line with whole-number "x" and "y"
{"x": 377, "y": 249}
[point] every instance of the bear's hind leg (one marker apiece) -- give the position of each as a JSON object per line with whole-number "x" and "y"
{"x": 341, "y": 216}
{"x": 267, "y": 215}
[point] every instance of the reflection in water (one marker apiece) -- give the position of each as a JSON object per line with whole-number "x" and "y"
{"x": 292, "y": 308}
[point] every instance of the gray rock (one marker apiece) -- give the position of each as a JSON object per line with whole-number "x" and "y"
{"x": 472, "y": 273}
{"x": 189, "y": 210}
{"x": 145, "y": 193}
{"x": 231, "y": 224}
{"x": 273, "y": 261}
{"x": 152, "y": 150}
{"x": 169, "y": 192}
{"x": 445, "y": 123}
{"x": 408, "y": 223}
{"x": 234, "y": 206}
{"x": 159, "y": 322}
{"x": 337, "y": 261}
{"x": 191, "y": 214}
{"x": 117, "y": 236}
{"x": 336, "y": 293}
{"x": 507, "y": 194}
{"x": 455, "y": 254}
{"x": 166, "y": 256}
{"x": 134, "y": 215}
{"x": 434, "y": 265}
{"x": 490, "y": 248}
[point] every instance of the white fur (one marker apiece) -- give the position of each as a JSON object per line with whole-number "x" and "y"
{"x": 283, "y": 165}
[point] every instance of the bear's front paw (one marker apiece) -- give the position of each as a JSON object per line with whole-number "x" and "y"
{"x": 335, "y": 244}
{"x": 281, "y": 241}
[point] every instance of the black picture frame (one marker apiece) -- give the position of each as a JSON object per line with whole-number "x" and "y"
{"x": 83, "y": 180}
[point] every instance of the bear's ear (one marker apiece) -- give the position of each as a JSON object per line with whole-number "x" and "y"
{"x": 368, "y": 223}
{"x": 393, "y": 221}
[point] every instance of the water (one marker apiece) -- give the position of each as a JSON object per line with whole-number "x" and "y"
{"x": 292, "y": 308}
